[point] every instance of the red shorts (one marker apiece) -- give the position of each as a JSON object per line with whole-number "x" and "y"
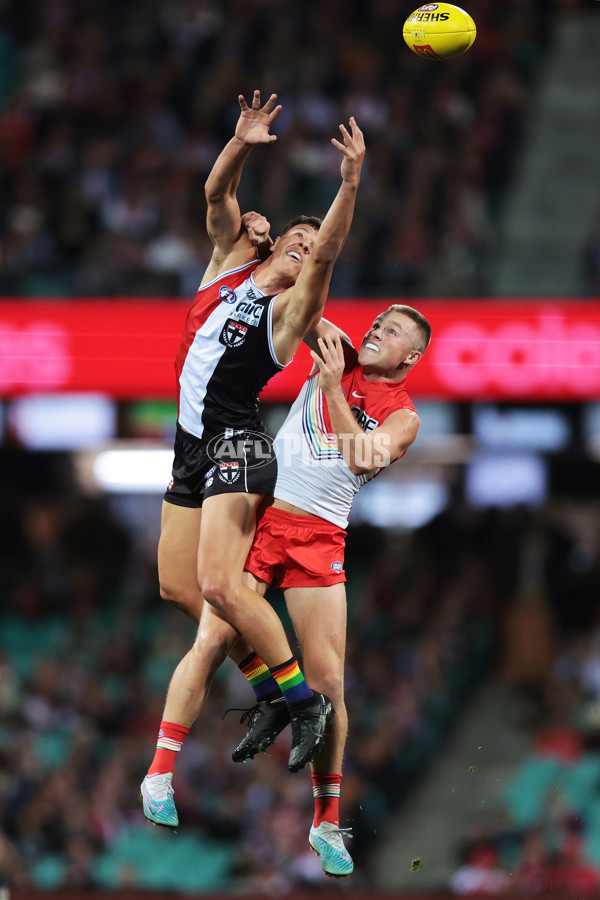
{"x": 297, "y": 551}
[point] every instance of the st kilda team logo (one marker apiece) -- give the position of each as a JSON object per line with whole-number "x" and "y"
{"x": 233, "y": 334}
{"x": 229, "y": 472}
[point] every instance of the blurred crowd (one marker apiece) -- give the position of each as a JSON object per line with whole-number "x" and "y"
{"x": 112, "y": 113}
{"x": 548, "y": 838}
{"x": 86, "y": 651}
{"x": 87, "y": 648}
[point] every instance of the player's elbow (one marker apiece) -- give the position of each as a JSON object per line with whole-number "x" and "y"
{"x": 323, "y": 258}
{"x": 217, "y": 194}
{"x": 370, "y": 454}
{"x": 311, "y": 322}
{"x": 214, "y": 196}
{"x": 365, "y": 469}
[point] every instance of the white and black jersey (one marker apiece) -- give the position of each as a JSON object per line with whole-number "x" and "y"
{"x": 226, "y": 355}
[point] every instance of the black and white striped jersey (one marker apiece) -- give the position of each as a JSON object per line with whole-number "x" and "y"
{"x": 226, "y": 355}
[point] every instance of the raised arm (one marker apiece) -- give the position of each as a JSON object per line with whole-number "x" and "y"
{"x": 363, "y": 452}
{"x": 299, "y": 309}
{"x": 223, "y": 218}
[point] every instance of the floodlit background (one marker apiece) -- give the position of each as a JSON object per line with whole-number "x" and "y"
{"x": 473, "y": 663}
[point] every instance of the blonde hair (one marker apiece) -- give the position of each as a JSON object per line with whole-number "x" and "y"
{"x": 424, "y": 328}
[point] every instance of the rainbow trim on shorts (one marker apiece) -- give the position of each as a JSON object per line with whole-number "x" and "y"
{"x": 321, "y": 443}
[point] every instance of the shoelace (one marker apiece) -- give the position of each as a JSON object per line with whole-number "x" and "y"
{"x": 249, "y": 714}
{"x": 161, "y": 789}
{"x": 336, "y": 837}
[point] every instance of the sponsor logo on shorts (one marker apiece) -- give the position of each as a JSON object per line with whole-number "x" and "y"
{"x": 337, "y": 566}
{"x": 229, "y": 472}
{"x": 209, "y": 481}
{"x": 249, "y": 449}
{"x": 233, "y": 334}
{"x": 171, "y": 484}
{"x": 227, "y": 295}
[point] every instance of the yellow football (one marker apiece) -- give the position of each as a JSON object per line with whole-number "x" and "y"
{"x": 439, "y": 31}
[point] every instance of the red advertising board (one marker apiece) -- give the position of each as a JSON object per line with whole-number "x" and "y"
{"x": 481, "y": 349}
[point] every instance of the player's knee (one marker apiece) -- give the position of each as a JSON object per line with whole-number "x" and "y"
{"x": 189, "y": 602}
{"x": 218, "y": 590}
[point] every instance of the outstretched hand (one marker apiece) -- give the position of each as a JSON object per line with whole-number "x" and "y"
{"x": 353, "y": 149}
{"x": 330, "y": 360}
{"x": 254, "y": 121}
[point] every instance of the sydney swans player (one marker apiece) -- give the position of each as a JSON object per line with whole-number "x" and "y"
{"x": 352, "y": 417}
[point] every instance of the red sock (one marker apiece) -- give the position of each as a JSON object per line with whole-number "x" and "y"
{"x": 326, "y": 792}
{"x": 168, "y": 745}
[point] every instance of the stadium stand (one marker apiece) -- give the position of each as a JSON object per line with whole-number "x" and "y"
{"x": 111, "y": 116}
{"x": 86, "y": 650}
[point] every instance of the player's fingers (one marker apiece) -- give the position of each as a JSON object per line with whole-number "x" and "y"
{"x": 332, "y": 347}
{"x": 345, "y": 133}
{"x": 356, "y": 132}
{"x": 339, "y": 146}
{"x": 256, "y": 100}
{"x": 316, "y": 358}
{"x": 242, "y": 102}
{"x": 339, "y": 350}
{"x": 355, "y": 141}
{"x": 275, "y": 113}
{"x": 324, "y": 348}
{"x": 270, "y": 103}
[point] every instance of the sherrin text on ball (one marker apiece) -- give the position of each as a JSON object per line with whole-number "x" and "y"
{"x": 439, "y": 31}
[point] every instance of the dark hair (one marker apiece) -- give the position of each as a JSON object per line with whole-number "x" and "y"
{"x": 313, "y": 221}
{"x": 416, "y": 316}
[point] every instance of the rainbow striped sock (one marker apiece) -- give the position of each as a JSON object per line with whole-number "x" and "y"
{"x": 291, "y": 682}
{"x": 259, "y": 675}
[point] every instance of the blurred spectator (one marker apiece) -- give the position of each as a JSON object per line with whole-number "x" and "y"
{"x": 115, "y": 113}
{"x": 481, "y": 873}
{"x": 554, "y": 798}
{"x": 86, "y": 650}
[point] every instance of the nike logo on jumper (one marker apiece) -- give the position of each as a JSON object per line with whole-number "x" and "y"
{"x": 360, "y": 396}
